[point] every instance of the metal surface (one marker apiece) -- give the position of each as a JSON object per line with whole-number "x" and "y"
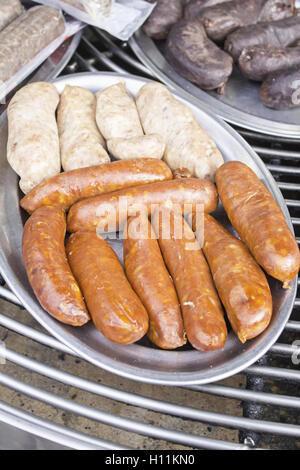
{"x": 141, "y": 361}
{"x": 240, "y": 105}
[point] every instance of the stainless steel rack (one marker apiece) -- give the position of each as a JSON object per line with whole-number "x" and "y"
{"x": 72, "y": 404}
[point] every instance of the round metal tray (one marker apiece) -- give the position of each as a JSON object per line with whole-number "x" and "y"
{"x": 141, "y": 361}
{"x": 240, "y": 105}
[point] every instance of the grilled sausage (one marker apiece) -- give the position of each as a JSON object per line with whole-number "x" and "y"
{"x": 9, "y": 10}
{"x": 114, "y": 307}
{"x": 222, "y": 19}
{"x": 281, "y": 90}
{"x": 108, "y": 213}
{"x": 164, "y": 15}
{"x": 81, "y": 143}
{"x": 26, "y": 36}
{"x": 258, "y": 220}
{"x": 33, "y": 143}
{"x": 240, "y": 282}
{"x": 280, "y": 33}
{"x": 66, "y": 188}
{"x": 148, "y": 275}
{"x": 257, "y": 62}
{"x": 47, "y": 267}
{"x": 194, "y": 56}
{"x": 200, "y": 305}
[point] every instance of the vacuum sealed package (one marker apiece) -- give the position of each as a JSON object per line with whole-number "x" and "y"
{"x": 120, "y": 18}
{"x": 28, "y": 41}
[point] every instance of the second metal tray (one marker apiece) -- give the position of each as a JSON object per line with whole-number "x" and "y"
{"x": 240, "y": 105}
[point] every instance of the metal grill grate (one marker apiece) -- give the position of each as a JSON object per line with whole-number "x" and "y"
{"x": 76, "y": 405}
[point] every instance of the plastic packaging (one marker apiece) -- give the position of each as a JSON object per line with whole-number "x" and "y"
{"x": 8, "y": 83}
{"x": 120, "y": 18}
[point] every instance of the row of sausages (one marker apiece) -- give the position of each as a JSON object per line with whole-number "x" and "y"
{"x": 85, "y": 278}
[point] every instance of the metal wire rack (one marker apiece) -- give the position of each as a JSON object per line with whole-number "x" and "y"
{"x": 61, "y": 401}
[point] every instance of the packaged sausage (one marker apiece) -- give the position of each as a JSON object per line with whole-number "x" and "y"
{"x": 28, "y": 41}
{"x": 120, "y": 18}
{"x": 9, "y": 10}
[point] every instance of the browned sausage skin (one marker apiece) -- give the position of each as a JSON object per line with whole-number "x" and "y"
{"x": 149, "y": 277}
{"x": 240, "y": 282}
{"x": 258, "y": 220}
{"x": 65, "y": 189}
{"x": 114, "y": 307}
{"x": 200, "y": 305}
{"x": 108, "y": 212}
{"x": 47, "y": 267}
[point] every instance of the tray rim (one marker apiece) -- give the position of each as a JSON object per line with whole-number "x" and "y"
{"x": 148, "y": 53}
{"x": 84, "y": 351}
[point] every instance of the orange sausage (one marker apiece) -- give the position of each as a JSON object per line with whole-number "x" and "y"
{"x": 258, "y": 220}
{"x": 114, "y": 307}
{"x": 47, "y": 267}
{"x": 65, "y": 189}
{"x": 148, "y": 275}
{"x": 200, "y": 305}
{"x": 241, "y": 283}
{"x": 109, "y": 212}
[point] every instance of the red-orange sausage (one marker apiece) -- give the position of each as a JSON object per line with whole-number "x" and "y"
{"x": 47, "y": 267}
{"x": 240, "y": 282}
{"x": 148, "y": 275}
{"x": 258, "y": 220}
{"x": 108, "y": 212}
{"x": 114, "y": 307}
{"x": 65, "y": 189}
{"x": 200, "y": 305}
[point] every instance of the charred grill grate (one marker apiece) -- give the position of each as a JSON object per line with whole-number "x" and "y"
{"x": 257, "y": 408}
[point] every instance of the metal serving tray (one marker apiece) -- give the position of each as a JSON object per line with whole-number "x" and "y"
{"x": 141, "y": 361}
{"x": 240, "y": 105}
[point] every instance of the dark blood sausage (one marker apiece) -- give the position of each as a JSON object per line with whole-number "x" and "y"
{"x": 256, "y": 62}
{"x": 114, "y": 307}
{"x": 194, "y": 7}
{"x": 222, "y": 19}
{"x": 200, "y": 305}
{"x": 281, "y": 33}
{"x": 196, "y": 57}
{"x": 281, "y": 90}
{"x": 164, "y": 15}
{"x": 26, "y": 36}
{"x": 149, "y": 277}
{"x": 65, "y": 189}
{"x": 47, "y": 267}
{"x": 258, "y": 220}
{"x": 240, "y": 282}
{"x": 108, "y": 212}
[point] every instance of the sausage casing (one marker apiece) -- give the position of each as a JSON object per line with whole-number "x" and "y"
{"x": 200, "y": 305}
{"x": 65, "y": 189}
{"x": 164, "y": 15}
{"x": 114, "y": 307}
{"x": 281, "y": 90}
{"x": 240, "y": 282}
{"x": 258, "y": 220}
{"x": 108, "y": 212}
{"x": 149, "y": 277}
{"x": 47, "y": 267}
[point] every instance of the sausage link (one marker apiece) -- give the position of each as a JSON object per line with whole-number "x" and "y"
{"x": 65, "y": 189}
{"x": 258, "y": 220}
{"x": 149, "y": 277}
{"x": 200, "y": 305}
{"x": 240, "y": 282}
{"x": 109, "y": 212}
{"x": 47, "y": 267}
{"x": 114, "y": 307}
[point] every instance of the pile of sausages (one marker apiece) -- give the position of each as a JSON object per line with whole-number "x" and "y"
{"x": 205, "y": 37}
{"x": 166, "y": 290}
